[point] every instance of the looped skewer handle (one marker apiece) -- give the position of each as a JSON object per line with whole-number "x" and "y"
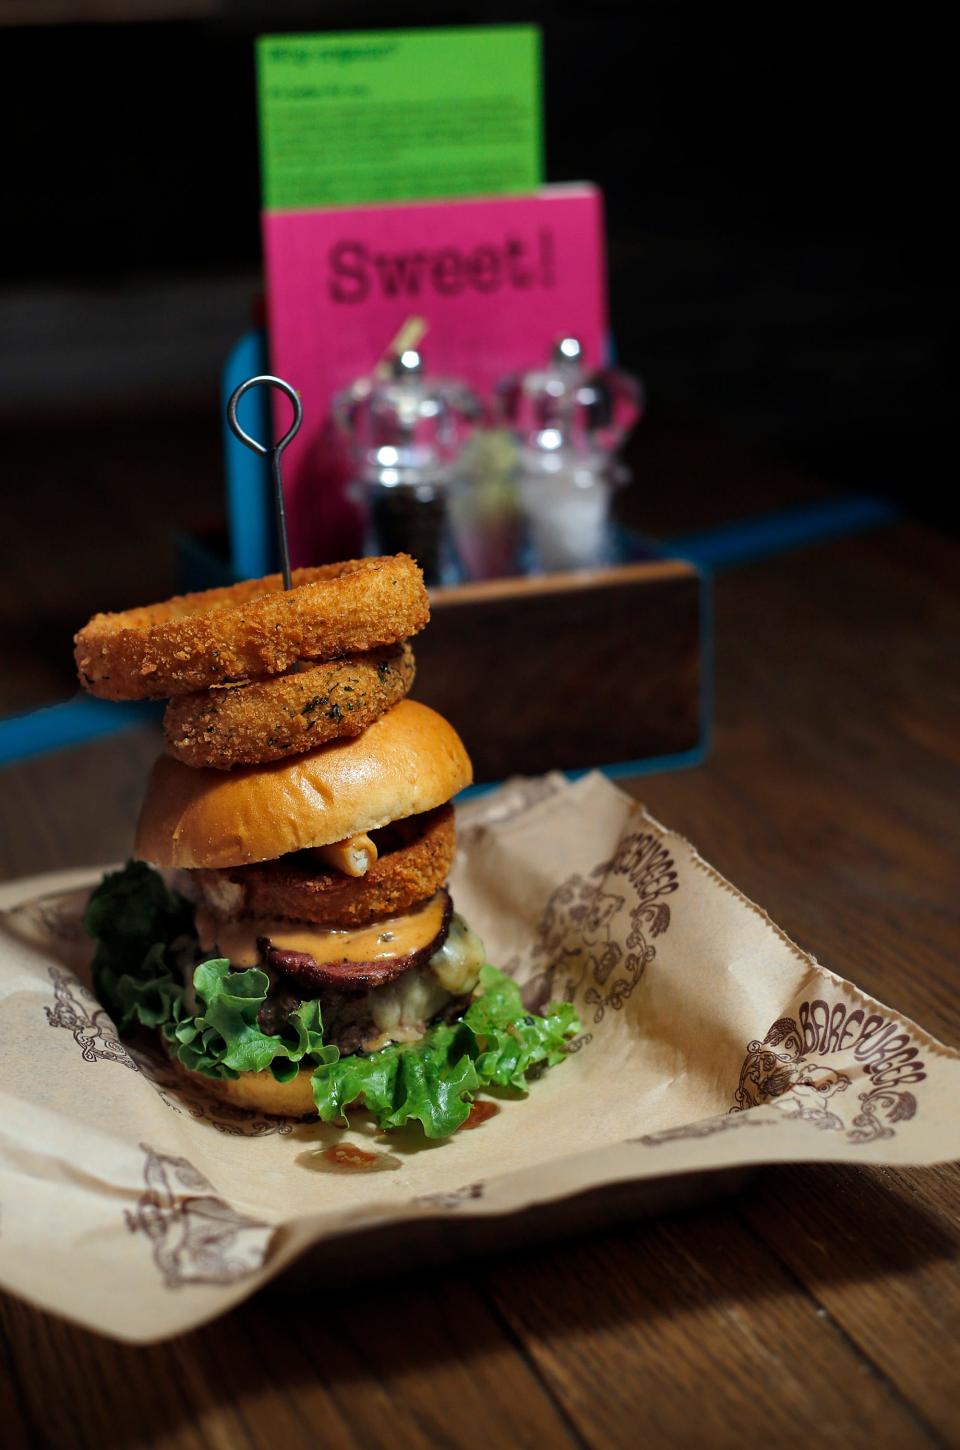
{"x": 273, "y": 452}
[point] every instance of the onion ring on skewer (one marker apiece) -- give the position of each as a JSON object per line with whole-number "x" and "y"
{"x": 287, "y": 714}
{"x": 295, "y": 887}
{"x": 246, "y": 630}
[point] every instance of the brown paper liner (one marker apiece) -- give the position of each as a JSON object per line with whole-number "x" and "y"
{"x": 710, "y": 1043}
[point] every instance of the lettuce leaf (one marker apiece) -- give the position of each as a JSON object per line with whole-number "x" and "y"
{"x": 142, "y": 929}
{"x": 225, "y": 1039}
{"x": 497, "y": 1043}
{"x": 136, "y": 922}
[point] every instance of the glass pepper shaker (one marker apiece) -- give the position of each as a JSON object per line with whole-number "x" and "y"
{"x": 406, "y": 431}
{"x": 568, "y": 424}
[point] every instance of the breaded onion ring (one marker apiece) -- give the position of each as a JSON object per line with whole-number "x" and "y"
{"x": 255, "y": 628}
{"x": 397, "y": 881}
{"x": 288, "y": 714}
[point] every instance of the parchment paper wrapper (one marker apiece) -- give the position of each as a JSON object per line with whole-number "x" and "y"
{"x": 710, "y": 1041}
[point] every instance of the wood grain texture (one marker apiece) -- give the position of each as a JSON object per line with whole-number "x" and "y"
{"x": 687, "y": 1329}
{"x": 403, "y": 1364}
{"x": 822, "y": 1307}
{"x": 548, "y": 674}
{"x": 879, "y": 1250}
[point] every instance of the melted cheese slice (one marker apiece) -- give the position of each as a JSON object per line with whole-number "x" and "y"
{"x": 393, "y": 936}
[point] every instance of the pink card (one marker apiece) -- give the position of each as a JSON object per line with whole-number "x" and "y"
{"x": 497, "y": 280}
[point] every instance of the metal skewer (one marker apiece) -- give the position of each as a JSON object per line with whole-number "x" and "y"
{"x": 273, "y": 452}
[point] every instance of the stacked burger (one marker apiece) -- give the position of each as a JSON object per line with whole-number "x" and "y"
{"x": 298, "y": 947}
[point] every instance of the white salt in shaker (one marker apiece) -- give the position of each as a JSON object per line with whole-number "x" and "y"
{"x": 568, "y": 424}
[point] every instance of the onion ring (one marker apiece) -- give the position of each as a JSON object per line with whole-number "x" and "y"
{"x": 287, "y": 714}
{"x": 255, "y": 628}
{"x": 396, "y": 881}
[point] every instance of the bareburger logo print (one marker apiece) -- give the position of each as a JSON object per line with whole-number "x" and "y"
{"x": 58, "y": 919}
{"x": 578, "y": 952}
{"x": 456, "y": 1198}
{"x": 791, "y": 1070}
{"x": 196, "y": 1236}
{"x": 77, "y": 1009}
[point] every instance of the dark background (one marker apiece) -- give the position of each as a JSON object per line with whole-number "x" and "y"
{"x": 779, "y": 239}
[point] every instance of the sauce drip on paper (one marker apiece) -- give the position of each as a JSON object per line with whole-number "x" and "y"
{"x": 480, "y": 1112}
{"x": 348, "y": 1158}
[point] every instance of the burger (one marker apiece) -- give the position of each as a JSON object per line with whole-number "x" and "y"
{"x": 286, "y": 924}
{"x": 287, "y": 928}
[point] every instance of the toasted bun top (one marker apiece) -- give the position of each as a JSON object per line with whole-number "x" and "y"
{"x": 408, "y": 761}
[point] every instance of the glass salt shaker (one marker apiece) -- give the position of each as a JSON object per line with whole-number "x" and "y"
{"x": 406, "y": 433}
{"x": 568, "y": 424}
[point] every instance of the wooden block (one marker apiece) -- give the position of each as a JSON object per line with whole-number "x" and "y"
{"x": 568, "y": 670}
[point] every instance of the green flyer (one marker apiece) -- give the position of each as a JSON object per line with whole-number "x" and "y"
{"x": 374, "y": 116}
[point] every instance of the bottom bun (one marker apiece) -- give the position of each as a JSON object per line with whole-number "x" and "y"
{"x": 259, "y": 1091}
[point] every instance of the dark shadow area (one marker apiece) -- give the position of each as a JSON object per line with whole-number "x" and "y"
{"x": 779, "y": 256}
{"x": 319, "y": 1331}
{"x": 778, "y": 260}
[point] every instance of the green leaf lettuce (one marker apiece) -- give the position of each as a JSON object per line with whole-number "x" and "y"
{"x": 144, "y": 932}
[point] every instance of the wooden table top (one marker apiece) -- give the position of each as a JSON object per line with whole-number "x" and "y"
{"x": 822, "y": 1306}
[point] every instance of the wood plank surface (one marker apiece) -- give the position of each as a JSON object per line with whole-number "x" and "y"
{"x": 411, "y": 1365}
{"x": 552, "y": 674}
{"x": 822, "y": 1306}
{"x": 688, "y": 1329}
{"x": 879, "y": 1252}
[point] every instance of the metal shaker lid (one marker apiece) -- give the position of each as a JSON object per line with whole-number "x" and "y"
{"x": 565, "y": 406}
{"x": 405, "y": 428}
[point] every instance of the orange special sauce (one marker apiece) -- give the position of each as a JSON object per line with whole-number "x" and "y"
{"x": 480, "y": 1113}
{"x": 348, "y": 1155}
{"x": 392, "y": 936}
{"x": 348, "y": 1158}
